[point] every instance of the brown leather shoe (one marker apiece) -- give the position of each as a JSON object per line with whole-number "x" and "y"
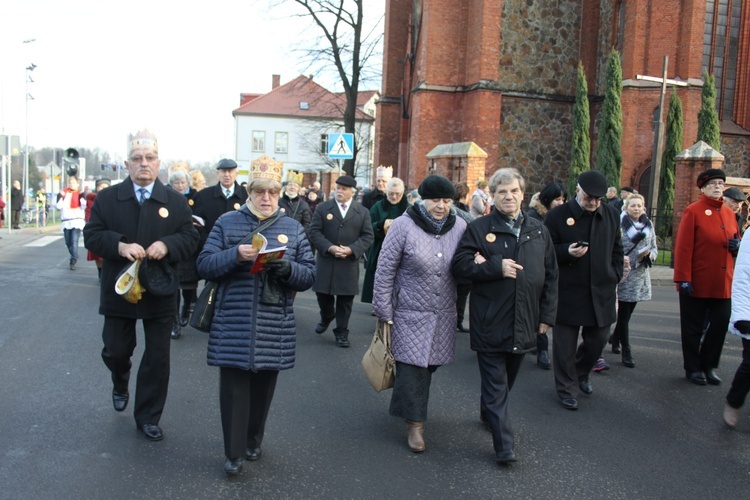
{"x": 415, "y": 439}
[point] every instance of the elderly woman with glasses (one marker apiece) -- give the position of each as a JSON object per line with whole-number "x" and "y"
{"x": 707, "y": 242}
{"x": 253, "y": 332}
{"x": 382, "y": 215}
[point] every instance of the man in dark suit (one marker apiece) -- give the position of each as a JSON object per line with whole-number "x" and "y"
{"x": 341, "y": 232}
{"x": 139, "y": 219}
{"x": 383, "y": 175}
{"x": 227, "y": 195}
{"x": 586, "y": 236}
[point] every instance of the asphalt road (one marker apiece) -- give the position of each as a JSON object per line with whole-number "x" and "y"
{"x": 644, "y": 433}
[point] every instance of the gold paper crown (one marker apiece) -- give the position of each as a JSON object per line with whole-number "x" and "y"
{"x": 266, "y": 167}
{"x": 383, "y": 171}
{"x": 294, "y": 177}
{"x": 142, "y": 139}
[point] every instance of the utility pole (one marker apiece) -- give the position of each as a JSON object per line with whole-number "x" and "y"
{"x": 653, "y": 198}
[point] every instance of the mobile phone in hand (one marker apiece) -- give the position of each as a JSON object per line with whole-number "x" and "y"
{"x": 583, "y": 243}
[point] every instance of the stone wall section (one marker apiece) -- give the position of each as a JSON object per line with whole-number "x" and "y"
{"x": 539, "y": 46}
{"x": 535, "y": 137}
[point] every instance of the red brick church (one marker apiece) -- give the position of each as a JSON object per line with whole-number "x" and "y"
{"x": 498, "y": 77}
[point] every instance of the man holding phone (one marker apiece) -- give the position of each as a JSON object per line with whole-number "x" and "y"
{"x": 586, "y": 236}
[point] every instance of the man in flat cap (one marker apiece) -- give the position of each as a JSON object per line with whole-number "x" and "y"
{"x": 586, "y": 236}
{"x": 139, "y": 218}
{"x": 227, "y": 195}
{"x": 341, "y": 232}
{"x": 734, "y": 198}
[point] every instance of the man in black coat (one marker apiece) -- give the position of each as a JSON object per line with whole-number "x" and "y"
{"x": 586, "y": 235}
{"x": 139, "y": 218}
{"x": 341, "y": 232}
{"x": 16, "y": 204}
{"x": 213, "y": 202}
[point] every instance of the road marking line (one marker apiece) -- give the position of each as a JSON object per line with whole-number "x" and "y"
{"x": 43, "y": 241}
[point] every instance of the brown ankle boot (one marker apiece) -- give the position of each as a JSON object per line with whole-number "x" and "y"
{"x": 415, "y": 439}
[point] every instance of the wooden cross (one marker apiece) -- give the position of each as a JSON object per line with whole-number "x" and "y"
{"x": 658, "y": 134}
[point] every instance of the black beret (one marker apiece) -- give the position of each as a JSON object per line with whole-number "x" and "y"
{"x": 226, "y": 164}
{"x": 158, "y": 277}
{"x": 347, "y": 180}
{"x": 593, "y": 183}
{"x": 735, "y": 194}
{"x": 627, "y": 189}
{"x": 711, "y": 173}
{"x": 436, "y": 186}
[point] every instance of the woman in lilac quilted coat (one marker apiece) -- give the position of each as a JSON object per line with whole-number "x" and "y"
{"x": 414, "y": 288}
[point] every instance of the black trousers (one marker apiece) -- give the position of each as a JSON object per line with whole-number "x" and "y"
{"x": 15, "y": 217}
{"x": 741, "y": 383}
{"x": 621, "y": 334}
{"x": 244, "y": 398}
{"x": 463, "y": 295}
{"x": 571, "y": 364}
{"x": 153, "y": 373}
{"x": 498, "y": 371}
{"x": 411, "y": 391}
{"x": 338, "y": 307}
{"x": 699, "y": 357}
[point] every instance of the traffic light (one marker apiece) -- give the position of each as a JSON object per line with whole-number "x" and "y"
{"x": 70, "y": 160}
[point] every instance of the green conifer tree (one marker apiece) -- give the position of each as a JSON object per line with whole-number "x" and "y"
{"x": 672, "y": 147}
{"x": 708, "y": 116}
{"x": 608, "y": 152}
{"x": 580, "y": 151}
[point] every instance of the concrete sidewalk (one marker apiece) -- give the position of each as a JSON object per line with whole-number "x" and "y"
{"x": 662, "y": 276}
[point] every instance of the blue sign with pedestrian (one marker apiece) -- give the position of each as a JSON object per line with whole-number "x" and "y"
{"x": 341, "y": 146}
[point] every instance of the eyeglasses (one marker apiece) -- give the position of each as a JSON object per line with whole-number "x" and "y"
{"x": 139, "y": 158}
{"x": 263, "y": 192}
{"x": 587, "y": 198}
{"x": 714, "y": 184}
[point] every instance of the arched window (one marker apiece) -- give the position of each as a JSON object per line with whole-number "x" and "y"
{"x": 721, "y": 40}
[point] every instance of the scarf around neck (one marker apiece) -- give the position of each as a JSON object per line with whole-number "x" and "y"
{"x": 429, "y": 224}
{"x": 638, "y": 232}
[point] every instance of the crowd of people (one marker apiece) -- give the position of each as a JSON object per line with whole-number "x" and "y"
{"x": 571, "y": 266}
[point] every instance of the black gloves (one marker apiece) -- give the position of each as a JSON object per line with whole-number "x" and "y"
{"x": 280, "y": 267}
{"x": 734, "y": 245}
{"x": 647, "y": 261}
{"x": 685, "y": 288}
{"x": 743, "y": 326}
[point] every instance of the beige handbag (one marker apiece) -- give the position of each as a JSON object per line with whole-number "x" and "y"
{"x": 378, "y": 362}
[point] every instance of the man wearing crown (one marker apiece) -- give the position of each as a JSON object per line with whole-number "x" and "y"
{"x": 292, "y": 204}
{"x": 139, "y": 219}
{"x": 383, "y": 175}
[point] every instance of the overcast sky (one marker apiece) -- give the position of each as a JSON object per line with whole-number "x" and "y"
{"x": 105, "y": 69}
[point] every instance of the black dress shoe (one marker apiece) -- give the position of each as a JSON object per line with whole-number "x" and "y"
{"x": 505, "y": 457}
{"x": 176, "y": 331}
{"x": 321, "y": 327}
{"x": 696, "y": 377}
{"x": 152, "y": 432}
{"x": 461, "y": 328}
{"x": 712, "y": 378}
{"x": 120, "y": 400}
{"x": 232, "y": 467}
{"x": 569, "y": 403}
{"x": 342, "y": 341}
{"x": 585, "y": 386}
{"x": 185, "y": 314}
{"x": 542, "y": 359}
{"x": 253, "y": 454}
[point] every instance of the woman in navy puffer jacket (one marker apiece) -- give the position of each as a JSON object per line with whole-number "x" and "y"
{"x": 253, "y": 332}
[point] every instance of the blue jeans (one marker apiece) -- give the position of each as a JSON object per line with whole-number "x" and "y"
{"x": 71, "y": 241}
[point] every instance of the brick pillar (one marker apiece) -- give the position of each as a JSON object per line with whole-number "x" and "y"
{"x": 691, "y": 162}
{"x": 459, "y": 162}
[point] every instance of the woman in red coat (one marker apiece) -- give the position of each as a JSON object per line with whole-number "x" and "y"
{"x": 707, "y": 242}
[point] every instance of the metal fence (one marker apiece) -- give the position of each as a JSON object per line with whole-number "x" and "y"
{"x": 662, "y": 221}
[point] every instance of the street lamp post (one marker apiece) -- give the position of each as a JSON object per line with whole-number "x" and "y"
{"x": 29, "y": 69}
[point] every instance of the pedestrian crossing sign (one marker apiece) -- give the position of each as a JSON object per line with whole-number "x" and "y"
{"x": 341, "y": 146}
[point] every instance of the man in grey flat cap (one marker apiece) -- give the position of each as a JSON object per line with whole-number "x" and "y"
{"x": 586, "y": 236}
{"x": 734, "y": 198}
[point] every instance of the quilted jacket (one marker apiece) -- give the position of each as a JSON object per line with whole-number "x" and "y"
{"x": 245, "y": 333}
{"x": 415, "y": 289}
